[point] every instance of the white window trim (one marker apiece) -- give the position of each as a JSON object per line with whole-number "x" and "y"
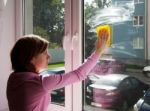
{"x": 28, "y": 27}
{"x": 77, "y": 52}
{"x": 138, "y": 43}
{"x": 28, "y": 16}
{"x": 19, "y": 18}
{"x": 138, "y": 1}
{"x": 138, "y": 21}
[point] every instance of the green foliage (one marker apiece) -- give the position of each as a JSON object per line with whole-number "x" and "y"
{"x": 134, "y": 66}
{"x": 103, "y": 3}
{"x": 53, "y": 45}
{"x": 43, "y": 33}
{"x": 40, "y": 31}
{"x": 48, "y": 20}
{"x": 89, "y": 10}
{"x": 56, "y": 65}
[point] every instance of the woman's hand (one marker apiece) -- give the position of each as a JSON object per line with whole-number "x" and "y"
{"x": 101, "y": 41}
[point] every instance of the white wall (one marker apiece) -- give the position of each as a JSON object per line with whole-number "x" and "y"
{"x": 7, "y": 38}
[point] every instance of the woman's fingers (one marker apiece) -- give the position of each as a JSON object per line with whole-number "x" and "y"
{"x": 103, "y": 36}
{"x": 102, "y": 40}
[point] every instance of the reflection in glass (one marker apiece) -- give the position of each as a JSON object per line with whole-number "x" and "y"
{"x": 138, "y": 43}
{"x": 122, "y": 17}
{"x": 138, "y": 1}
{"x": 127, "y": 22}
{"x": 135, "y": 20}
{"x": 116, "y": 13}
{"x": 138, "y": 20}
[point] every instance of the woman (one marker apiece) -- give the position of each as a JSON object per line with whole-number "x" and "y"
{"x": 29, "y": 91}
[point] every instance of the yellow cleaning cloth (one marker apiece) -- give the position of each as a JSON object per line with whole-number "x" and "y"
{"x": 106, "y": 28}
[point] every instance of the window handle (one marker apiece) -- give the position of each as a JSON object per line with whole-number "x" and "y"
{"x": 67, "y": 42}
{"x": 75, "y": 41}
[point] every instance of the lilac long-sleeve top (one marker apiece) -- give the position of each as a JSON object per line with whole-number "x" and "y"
{"x": 28, "y": 91}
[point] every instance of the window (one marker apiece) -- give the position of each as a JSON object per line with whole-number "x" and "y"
{"x": 138, "y": 1}
{"x": 128, "y": 49}
{"x": 46, "y": 18}
{"x": 135, "y": 82}
{"x": 138, "y": 21}
{"x": 126, "y": 35}
{"x": 126, "y": 83}
{"x": 126, "y": 38}
{"x": 138, "y": 43}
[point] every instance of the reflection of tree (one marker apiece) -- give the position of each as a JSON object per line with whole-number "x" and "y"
{"x": 103, "y": 3}
{"x": 90, "y": 9}
{"x": 89, "y": 38}
{"x": 48, "y": 20}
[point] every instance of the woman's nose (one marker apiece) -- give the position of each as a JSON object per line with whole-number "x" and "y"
{"x": 48, "y": 56}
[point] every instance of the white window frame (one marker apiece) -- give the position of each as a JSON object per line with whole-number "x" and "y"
{"x": 19, "y": 18}
{"x": 138, "y": 43}
{"x": 137, "y": 1}
{"x": 138, "y": 21}
{"x": 77, "y": 51}
{"x": 28, "y": 29}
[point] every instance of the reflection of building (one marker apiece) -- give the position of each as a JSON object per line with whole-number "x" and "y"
{"x": 129, "y": 36}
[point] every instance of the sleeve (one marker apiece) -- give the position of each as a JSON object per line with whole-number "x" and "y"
{"x": 52, "y": 82}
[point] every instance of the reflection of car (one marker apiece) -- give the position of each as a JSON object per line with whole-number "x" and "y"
{"x": 114, "y": 91}
{"x": 58, "y": 95}
{"x": 146, "y": 71}
{"x": 107, "y": 66}
{"x": 143, "y": 104}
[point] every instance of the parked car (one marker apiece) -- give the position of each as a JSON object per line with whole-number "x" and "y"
{"x": 146, "y": 71}
{"x": 143, "y": 103}
{"x": 107, "y": 66}
{"x": 114, "y": 91}
{"x": 58, "y": 95}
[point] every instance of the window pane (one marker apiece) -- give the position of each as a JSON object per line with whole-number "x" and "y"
{"x": 125, "y": 20}
{"x": 46, "y": 18}
{"x": 140, "y": 20}
{"x": 135, "y": 20}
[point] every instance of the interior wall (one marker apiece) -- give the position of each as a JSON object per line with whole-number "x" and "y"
{"x": 7, "y": 38}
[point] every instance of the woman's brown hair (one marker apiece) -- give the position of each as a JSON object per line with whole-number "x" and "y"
{"x": 24, "y": 50}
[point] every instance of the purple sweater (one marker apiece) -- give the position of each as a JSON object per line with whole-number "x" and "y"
{"x": 28, "y": 91}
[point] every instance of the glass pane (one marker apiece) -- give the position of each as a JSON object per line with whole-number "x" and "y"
{"x": 125, "y": 21}
{"x": 135, "y": 20}
{"x": 46, "y": 18}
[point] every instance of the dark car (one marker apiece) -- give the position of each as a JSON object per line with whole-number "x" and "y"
{"x": 146, "y": 71}
{"x": 114, "y": 91}
{"x": 143, "y": 103}
{"x": 58, "y": 95}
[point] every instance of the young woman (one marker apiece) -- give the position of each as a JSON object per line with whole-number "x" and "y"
{"x": 29, "y": 91}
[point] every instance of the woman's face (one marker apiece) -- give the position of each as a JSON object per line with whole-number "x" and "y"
{"x": 41, "y": 61}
